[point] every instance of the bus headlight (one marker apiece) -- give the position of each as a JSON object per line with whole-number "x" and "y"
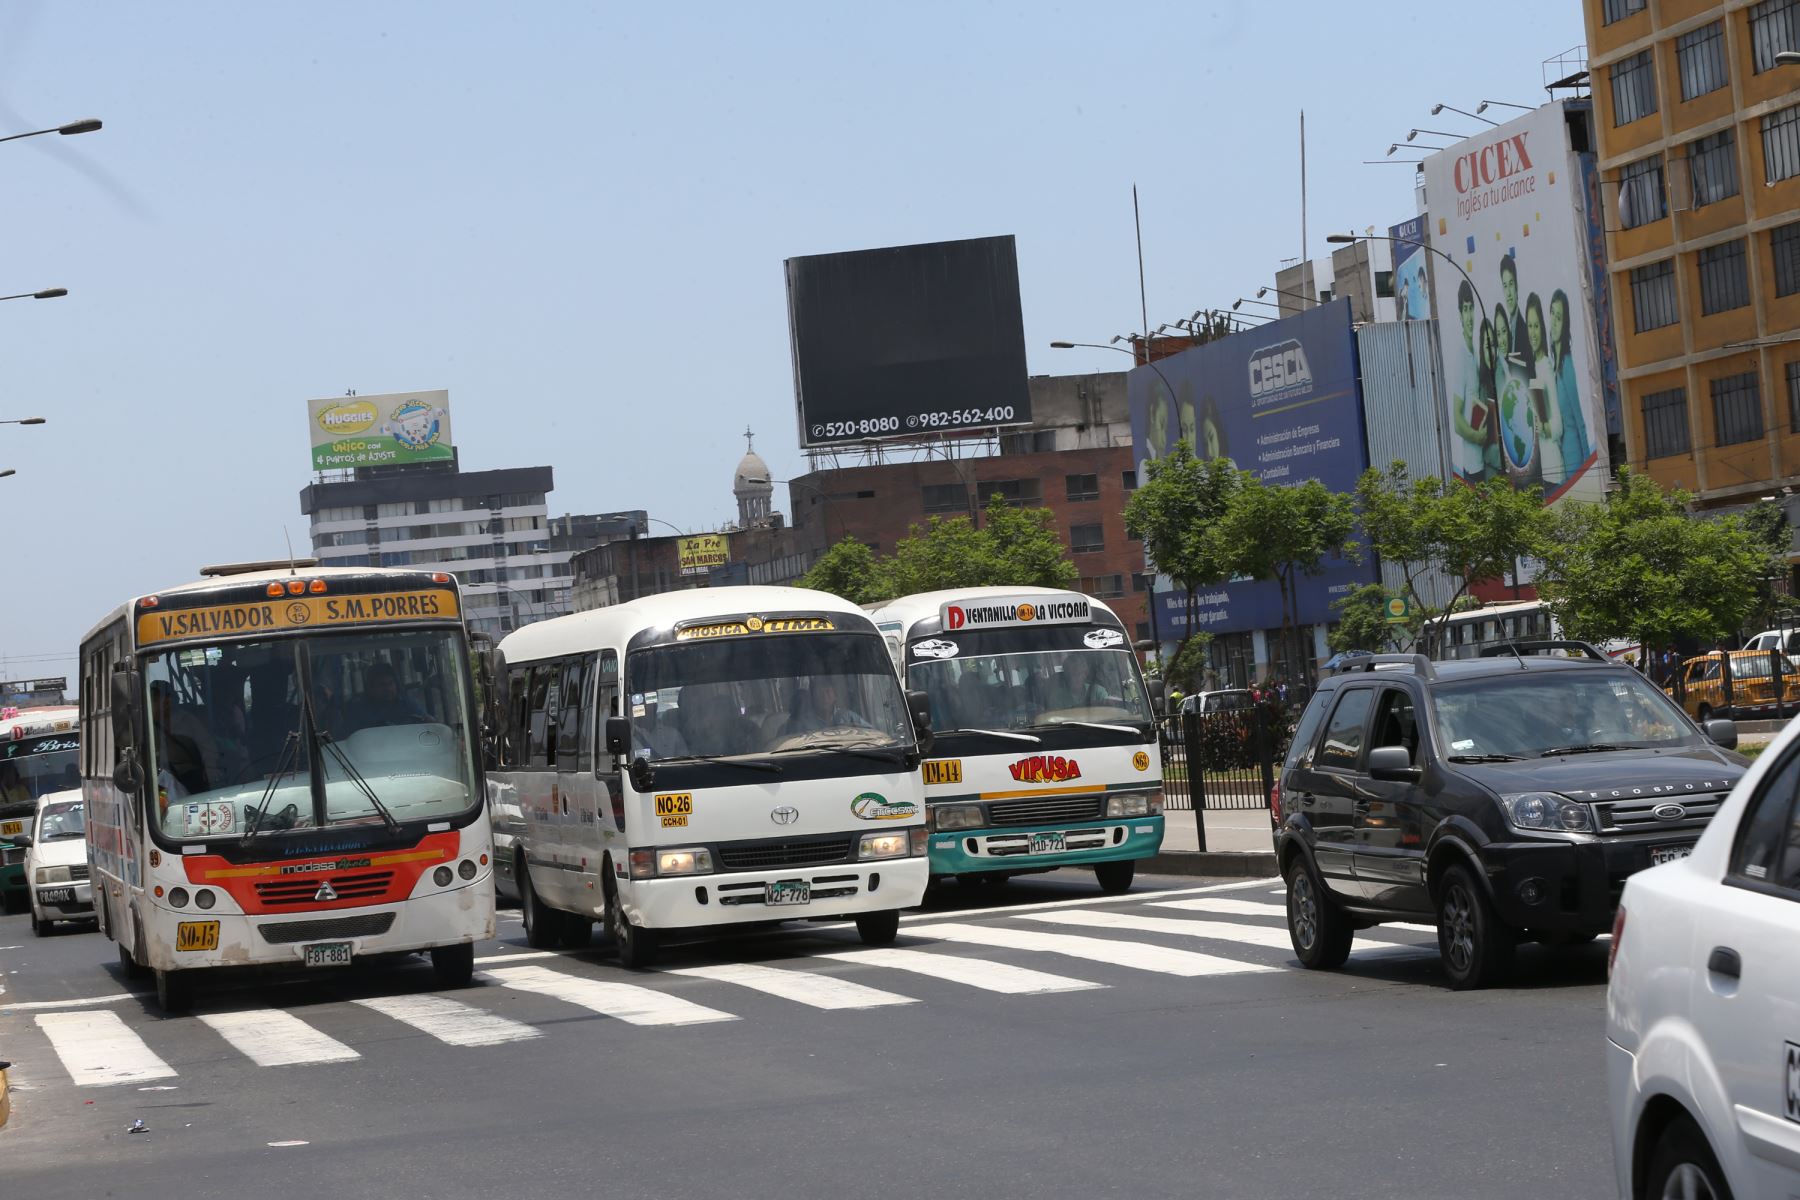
{"x": 1135, "y": 805}
{"x": 443, "y": 877}
{"x": 53, "y": 874}
{"x": 956, "y": 816}
{"x": 882, "y": 845}
{"x": 178, "y": 897}
{"x": 695, "y": 861}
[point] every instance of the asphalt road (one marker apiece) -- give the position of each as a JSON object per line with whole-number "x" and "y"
{"x": 1037, "y": 1042}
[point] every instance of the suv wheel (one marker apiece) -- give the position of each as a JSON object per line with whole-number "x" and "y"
{"x": 1318, "y": 928}
{"x": 1477, "y": 949}
{"x": 1682, "y": 1166}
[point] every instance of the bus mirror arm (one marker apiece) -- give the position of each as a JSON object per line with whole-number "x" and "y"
{"x": 127, "y": 687}
{"x": 1157, "y": 693}
{"x": 918, "y": 705}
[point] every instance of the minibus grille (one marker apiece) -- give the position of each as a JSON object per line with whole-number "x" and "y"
{"x": 78, "y": 872}
{"x": 1046, "y": 811}
{"x": 365, "y": 885}
{"x": 789, "y": 852}
{"x": 287, "y": 933}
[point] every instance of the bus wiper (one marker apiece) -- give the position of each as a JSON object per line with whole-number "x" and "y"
{"x": 1590, "y": 748}
{"x": 1096, "y": 725}
{"x": 1481, "y": 758}
{"x": 999, "y": 733}
{"x": 283, "y": 768}
{"x": 730, "y": 760}
{"x": 874, "y": 750}
{"x": 343, "y": 760}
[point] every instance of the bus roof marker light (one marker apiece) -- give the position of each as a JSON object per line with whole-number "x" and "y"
{"x": 149, "y": 602}
{"x": 274, "y": 589}
{"x": 316, "y": 586}
{"x": 440, "y": 577}
{"x": 296, "y": 586}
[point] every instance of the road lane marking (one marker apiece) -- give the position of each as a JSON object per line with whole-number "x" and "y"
{"x": 803, "y": 987}
{"x": 1257, "y": 908}
{"x": 97, "y": 1049}
{"x": 270, "y": 1037}
{"x": 83, "y": 1002}
{"x": 625, "y": 1001}
{"x": 1219, "y": 931}
{"x": 520, "y": 956}
{"x": 1136, "y": 955}
{"x": 980, "y": 973}
{"x": 1088, "y": 902}
{"x": 450, "y": 1021}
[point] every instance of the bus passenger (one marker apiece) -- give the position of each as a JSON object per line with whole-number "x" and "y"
{"x": 381, "y": 702}
{"x": 179, "y": 753}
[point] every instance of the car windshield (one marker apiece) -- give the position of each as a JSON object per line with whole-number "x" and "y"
{"x": 1525, "y": 714}
{"x": 36, "y": 766}
{"x": 61, "y": 821}
{"x": 1759, "y": 665}
{"x": 233, "y": 748}
{"x": 1032, "y": 690}
{"x": 765, "y": 694}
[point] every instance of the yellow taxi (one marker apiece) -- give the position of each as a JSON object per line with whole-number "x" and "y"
{"x": 1702, "y": 687}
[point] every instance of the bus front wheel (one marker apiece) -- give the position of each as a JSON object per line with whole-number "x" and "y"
{"x": 1115, "y": 877}
{"x": 635, "y": 947}
{"x": 174, "y": 992}
{"x": 454, "y": 966}
{"x": 878, "y": 928}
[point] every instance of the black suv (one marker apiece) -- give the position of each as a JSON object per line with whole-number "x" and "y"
{"x": 1505, "y": 798}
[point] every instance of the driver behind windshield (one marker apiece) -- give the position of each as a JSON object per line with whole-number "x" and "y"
{"x": 382, "y": 702}
{"x": 178, "y": 753}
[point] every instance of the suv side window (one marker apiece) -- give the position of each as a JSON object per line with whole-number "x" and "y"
{"x": 1300, "y": 751}
{"x": 1396, "y": 723}
{"x": 1343, "y": 745}
{"x": 1767, "y": 853}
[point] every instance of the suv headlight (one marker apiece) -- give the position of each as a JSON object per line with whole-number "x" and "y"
{"x": 1137, "y": 805}
{"x": 882, "y": 845}
{"x": 690, "y": 861}
{"x": 1546, "y": 812}
{"x": 53, "y": 874}
{"x": 956, "y": 816}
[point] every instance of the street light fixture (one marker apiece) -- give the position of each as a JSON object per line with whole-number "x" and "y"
{"x": 24, "y": 421}
{"x": 8, "y": 471}
{"x": 1302, "y": 297}
{"x": 1264, "y": 303}
{"x": 1483, "y": 106}
{"x": 1411, "y": 134}
{"x": 46, "y": 294}
{"x": 86, "y": 125}
{"x": 1347, "y": 239}
{"x": 1438, "y": 108}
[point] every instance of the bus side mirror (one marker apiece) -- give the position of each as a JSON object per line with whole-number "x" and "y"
{"x": 21, "y": 840}
{"x": 618, "y": 735}
{"x": 1158, "y": 693}
{"x": 127, "y": 776}
{"x": 127, "y": 688}
{"x": 918, "y": 706}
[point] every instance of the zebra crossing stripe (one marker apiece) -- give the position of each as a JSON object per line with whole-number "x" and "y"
{"x": 1136, "y": 955}
{"x": 270, "y": 1037}
{"x": 974, "y": 972}
{"x": 1267, "y": 936}
{"x": 624, "y": 1001}
{"x": 1382, "y": 932}
{"x": 97, "y": 1049}
{"x": 450, "y": 1021}
{"x": 802, "y": 987}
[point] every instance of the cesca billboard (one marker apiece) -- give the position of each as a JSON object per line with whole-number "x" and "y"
{"x": 907, "y": 341}
{"x": 394, "y": 429}
{"x": 1521, "y": 367}
{"x": 1282, "y": 400}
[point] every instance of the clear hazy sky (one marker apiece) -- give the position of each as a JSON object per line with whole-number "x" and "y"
{"x": 573, "y": 216}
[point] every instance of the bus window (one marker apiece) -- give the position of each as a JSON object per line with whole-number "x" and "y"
{"x": 584, "y": 731}
{"x": 568, "y": 722}
{"x": 542, "y": 686}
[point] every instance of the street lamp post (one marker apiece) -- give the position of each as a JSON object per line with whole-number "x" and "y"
{"x": 1438, "y": 108}
{"x": 1483, "y": 106}
{"x": 86, "y": 125}
{"x": 46, "y": 294}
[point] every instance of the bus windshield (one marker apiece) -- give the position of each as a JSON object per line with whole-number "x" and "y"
{"x": 765, "y": 695}
{"x": 1032, "y": 690}
{"x": 31, "y": 767}
{"x": 238, "y": 729}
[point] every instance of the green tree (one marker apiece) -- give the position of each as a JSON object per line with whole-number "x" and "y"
{"x": 1362, "y": 622}
{"x": 1285, "y": 532}
{"x": 1177, "y": 512}
{"x": 1187, "y": 669}
{"x": 847, "y": 569}
{"x": 1639, "y": 565}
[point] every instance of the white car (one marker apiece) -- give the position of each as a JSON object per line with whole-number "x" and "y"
{"x": 1703, "y": 1007}
{"x": 56, "y": 864}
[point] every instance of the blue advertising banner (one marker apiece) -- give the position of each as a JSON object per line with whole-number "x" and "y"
{"x": 1412, "y": 286}
{"x": 1281, "y": 400}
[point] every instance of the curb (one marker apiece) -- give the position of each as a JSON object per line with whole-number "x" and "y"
{"x": 5, "y": 1101}
{"x": 1245, "y": 864}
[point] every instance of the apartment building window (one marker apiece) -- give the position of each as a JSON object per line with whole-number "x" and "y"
{"x": 1633, "y": 88}
{"x": 1087, "y": 539}
{"x": 1784, "y": 248}
{"x": 945, "y": 497}
{"x": 1031, "y": 441}
{"x": 1792, "y": 371}
{"x": 1737, "y": 409}
{"x": 1781, "y": 145}
{"x": 1140, "y": 581}
{"x": 1712, "y": 167}
{"x": 397, "y": 508}
{"x": 1103, "y": 587}
{"x": 1641, "y": 195}
{"x": 396, "y": 558}
{"x": 1082, "y": 487}
{"x": 1700, "y": 54}
{"x": 1653, "y": 296}
{"x": 1774, "y": 26}
{"x": 1128, "y": 481}
{"x": 1618, "y": 10}
{"x": 1019, "y": 493}
{"x": 1724, "y": 278}
{"x": 1665, "y": 423}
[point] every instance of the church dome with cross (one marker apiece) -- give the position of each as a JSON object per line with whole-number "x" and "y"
{"x": 752, "y": 486}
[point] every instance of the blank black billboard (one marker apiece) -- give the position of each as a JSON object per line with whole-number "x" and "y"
{"x": 907, "y": 340}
